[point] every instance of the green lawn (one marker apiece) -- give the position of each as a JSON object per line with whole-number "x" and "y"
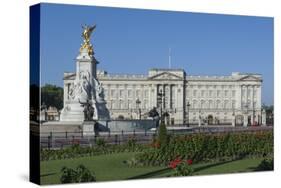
{"x": 112, "y": 167}
{"x": 105, "y": 167}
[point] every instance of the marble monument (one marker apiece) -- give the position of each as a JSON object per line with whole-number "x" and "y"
{"x": 83, "y": 86}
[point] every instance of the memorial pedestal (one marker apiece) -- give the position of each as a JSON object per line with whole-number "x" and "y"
{"x": 89, "y": 128}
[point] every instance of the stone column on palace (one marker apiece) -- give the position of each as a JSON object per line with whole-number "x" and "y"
{"x": 233, "y": 120}
{"x": 163, "y": 97}
{"x": 245, "y": 118}
{"x": 263, "y": 118}
{"x": 171, "y": 96}
{"x": 154, "y": 95}
{"x": 253, "y": 119}
{"x": 199, "y": 120}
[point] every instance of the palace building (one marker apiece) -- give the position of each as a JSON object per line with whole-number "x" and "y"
{"x": 185, "y": 98}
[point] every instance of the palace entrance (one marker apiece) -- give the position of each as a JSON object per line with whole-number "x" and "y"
{"x": 239, "y": 120}
{"x": 210, "y": 120}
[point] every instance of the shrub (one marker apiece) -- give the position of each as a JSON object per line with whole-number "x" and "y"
{"x": 265, "y": 165}
{"x": 81, "y": 174}
{"x": 162, "y": 135}
{"x": 100, "y": 142}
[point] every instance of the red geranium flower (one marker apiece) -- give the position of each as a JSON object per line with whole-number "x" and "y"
{"x": 174, "y": 163}
{"x": 189, "y": 161}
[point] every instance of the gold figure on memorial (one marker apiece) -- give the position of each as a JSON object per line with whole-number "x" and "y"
{"x": 86, "y": 34}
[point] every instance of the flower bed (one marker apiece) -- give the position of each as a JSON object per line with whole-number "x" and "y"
{"x": 209, "y": 147}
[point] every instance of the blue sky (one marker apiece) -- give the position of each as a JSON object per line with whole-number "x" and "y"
{"x": 133, "y": 41}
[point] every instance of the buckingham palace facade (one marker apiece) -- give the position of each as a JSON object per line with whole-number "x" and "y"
{"x": 185, "y": 98}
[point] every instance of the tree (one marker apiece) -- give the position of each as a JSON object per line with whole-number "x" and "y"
{"x": 155, "y": 115}
{"x": 162, "y": 135}
{"x": 269, "y": 110}
{"x": 34, "y": 102}
{"x": 52, "y": 95}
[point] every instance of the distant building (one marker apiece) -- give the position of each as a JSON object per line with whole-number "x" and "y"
{"x": 50, "y": 114}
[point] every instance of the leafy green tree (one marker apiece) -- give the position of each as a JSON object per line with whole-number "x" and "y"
{"x": 269, "y": 110}
{"x": 52, "y": 95}
{"x": 162, "y": 135}
{"x": 265, "y": 165}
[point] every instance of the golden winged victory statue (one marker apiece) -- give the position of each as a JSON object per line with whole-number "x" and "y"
{"x": 86, "y": 34}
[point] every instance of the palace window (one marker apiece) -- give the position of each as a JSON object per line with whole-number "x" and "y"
{"x": 210, "y": 93}
{"x": 121, "y": 104}
{"x": 202, "y": 105}
{"x": 225, "y": 104}
{"x": 218, "y": 104}
{"x": 211, "y": 104}
{"x": 146, "y": 93}
{"x": 130, "y": 94}
{"x": 233, "y": 93}
{"x": 194, "y": 93}
{"x": 207, "y": 104}
{"x": 130, "y": 104}
{"x": 114, "y": 106}
{"x": 225, "y": 93}
{"x": 113, "y": 93}
{"x": 225, "y": 118}
{"x": 121, "y": 93}
{"x": 145, "y": 104}
{"x": 202, "y": 93}
{"x": 138, "y": 93}
{"x": 233, "y": 105}
{"x": 194, "y": 104}
{"x": 187, "y": 93}
{"x": 218, "y": 93}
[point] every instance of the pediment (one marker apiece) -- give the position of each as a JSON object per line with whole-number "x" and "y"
{"x": 165, "y": 76}
{"x": 250, "y": 78}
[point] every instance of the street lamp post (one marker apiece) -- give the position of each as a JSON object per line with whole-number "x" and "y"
{"x": 187, "y": 109}
{"x": 138, "y": 102}
{"x": 131, "y": 115}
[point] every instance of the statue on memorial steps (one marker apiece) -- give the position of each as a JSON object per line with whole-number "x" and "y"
{"x": 88, "y": 110}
